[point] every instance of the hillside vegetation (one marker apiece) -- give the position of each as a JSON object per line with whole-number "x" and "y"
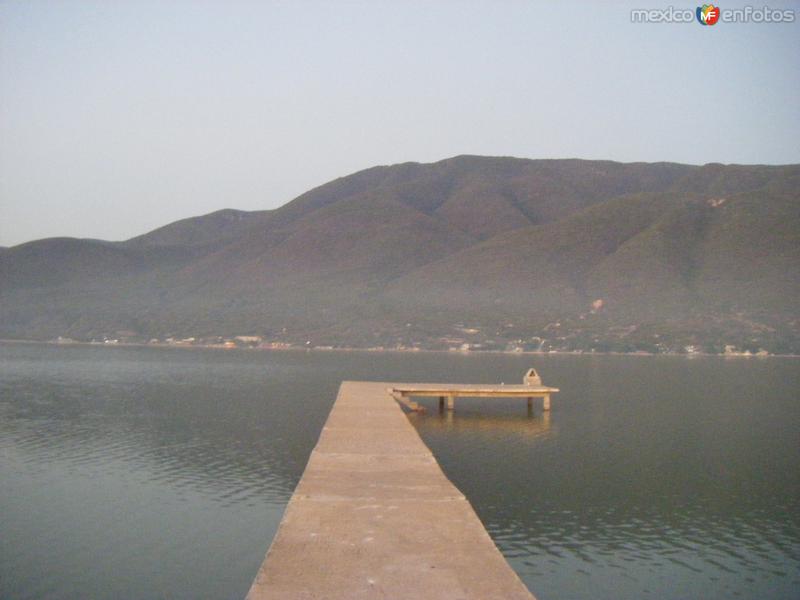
{"x": 479, "y": 252}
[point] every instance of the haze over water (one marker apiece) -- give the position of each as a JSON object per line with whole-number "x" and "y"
{"x": 143, "y": 473}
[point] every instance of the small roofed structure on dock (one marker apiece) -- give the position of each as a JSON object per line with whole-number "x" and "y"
{"x": 531, "y": 377}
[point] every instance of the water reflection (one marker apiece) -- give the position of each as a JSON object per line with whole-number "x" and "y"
{"x": 135, "y": 473}
{"x": 183, "y": 435}
{"x": 153, "y": 473}
{"x": 665, "y": 480}
{"x": 527, "y": 426}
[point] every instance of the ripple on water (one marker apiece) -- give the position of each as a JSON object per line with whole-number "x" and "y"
{"x": 556, "y": 495}
{"x": 147, "y": 473}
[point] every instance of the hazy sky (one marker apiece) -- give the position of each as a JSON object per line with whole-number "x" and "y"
{"x": 118, "y": 117}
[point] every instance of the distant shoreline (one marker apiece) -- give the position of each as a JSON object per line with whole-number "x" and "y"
{"x": 386, "y": 350}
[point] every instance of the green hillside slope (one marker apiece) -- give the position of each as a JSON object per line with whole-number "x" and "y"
{"x": 495, "y": 253}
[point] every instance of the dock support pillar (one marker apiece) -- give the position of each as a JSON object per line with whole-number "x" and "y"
{"x": 441, "y": 403}
{"x": 451, "y": 402}
{"x": 530, "y": 402}
{"x": 546, "y": 403}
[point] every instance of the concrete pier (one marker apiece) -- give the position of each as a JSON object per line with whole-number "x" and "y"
{"x": 374, "y": 517}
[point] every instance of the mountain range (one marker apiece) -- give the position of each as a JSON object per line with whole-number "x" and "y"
{"x": 470, "y": 252}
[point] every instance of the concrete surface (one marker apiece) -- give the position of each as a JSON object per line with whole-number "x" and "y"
{"x": 374, "y": 517}
{"x": 448, "y": 392}
{"x": 471, "y": 390}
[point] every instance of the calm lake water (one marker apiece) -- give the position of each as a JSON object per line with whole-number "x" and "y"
{"x": 163, "y": 473}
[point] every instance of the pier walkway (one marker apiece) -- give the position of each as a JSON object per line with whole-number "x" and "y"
{"x": 374, "y": 517}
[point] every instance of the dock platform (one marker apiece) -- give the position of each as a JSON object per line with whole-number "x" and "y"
{"x": 374, "y": 516}
{"x": 448, "y": 392}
